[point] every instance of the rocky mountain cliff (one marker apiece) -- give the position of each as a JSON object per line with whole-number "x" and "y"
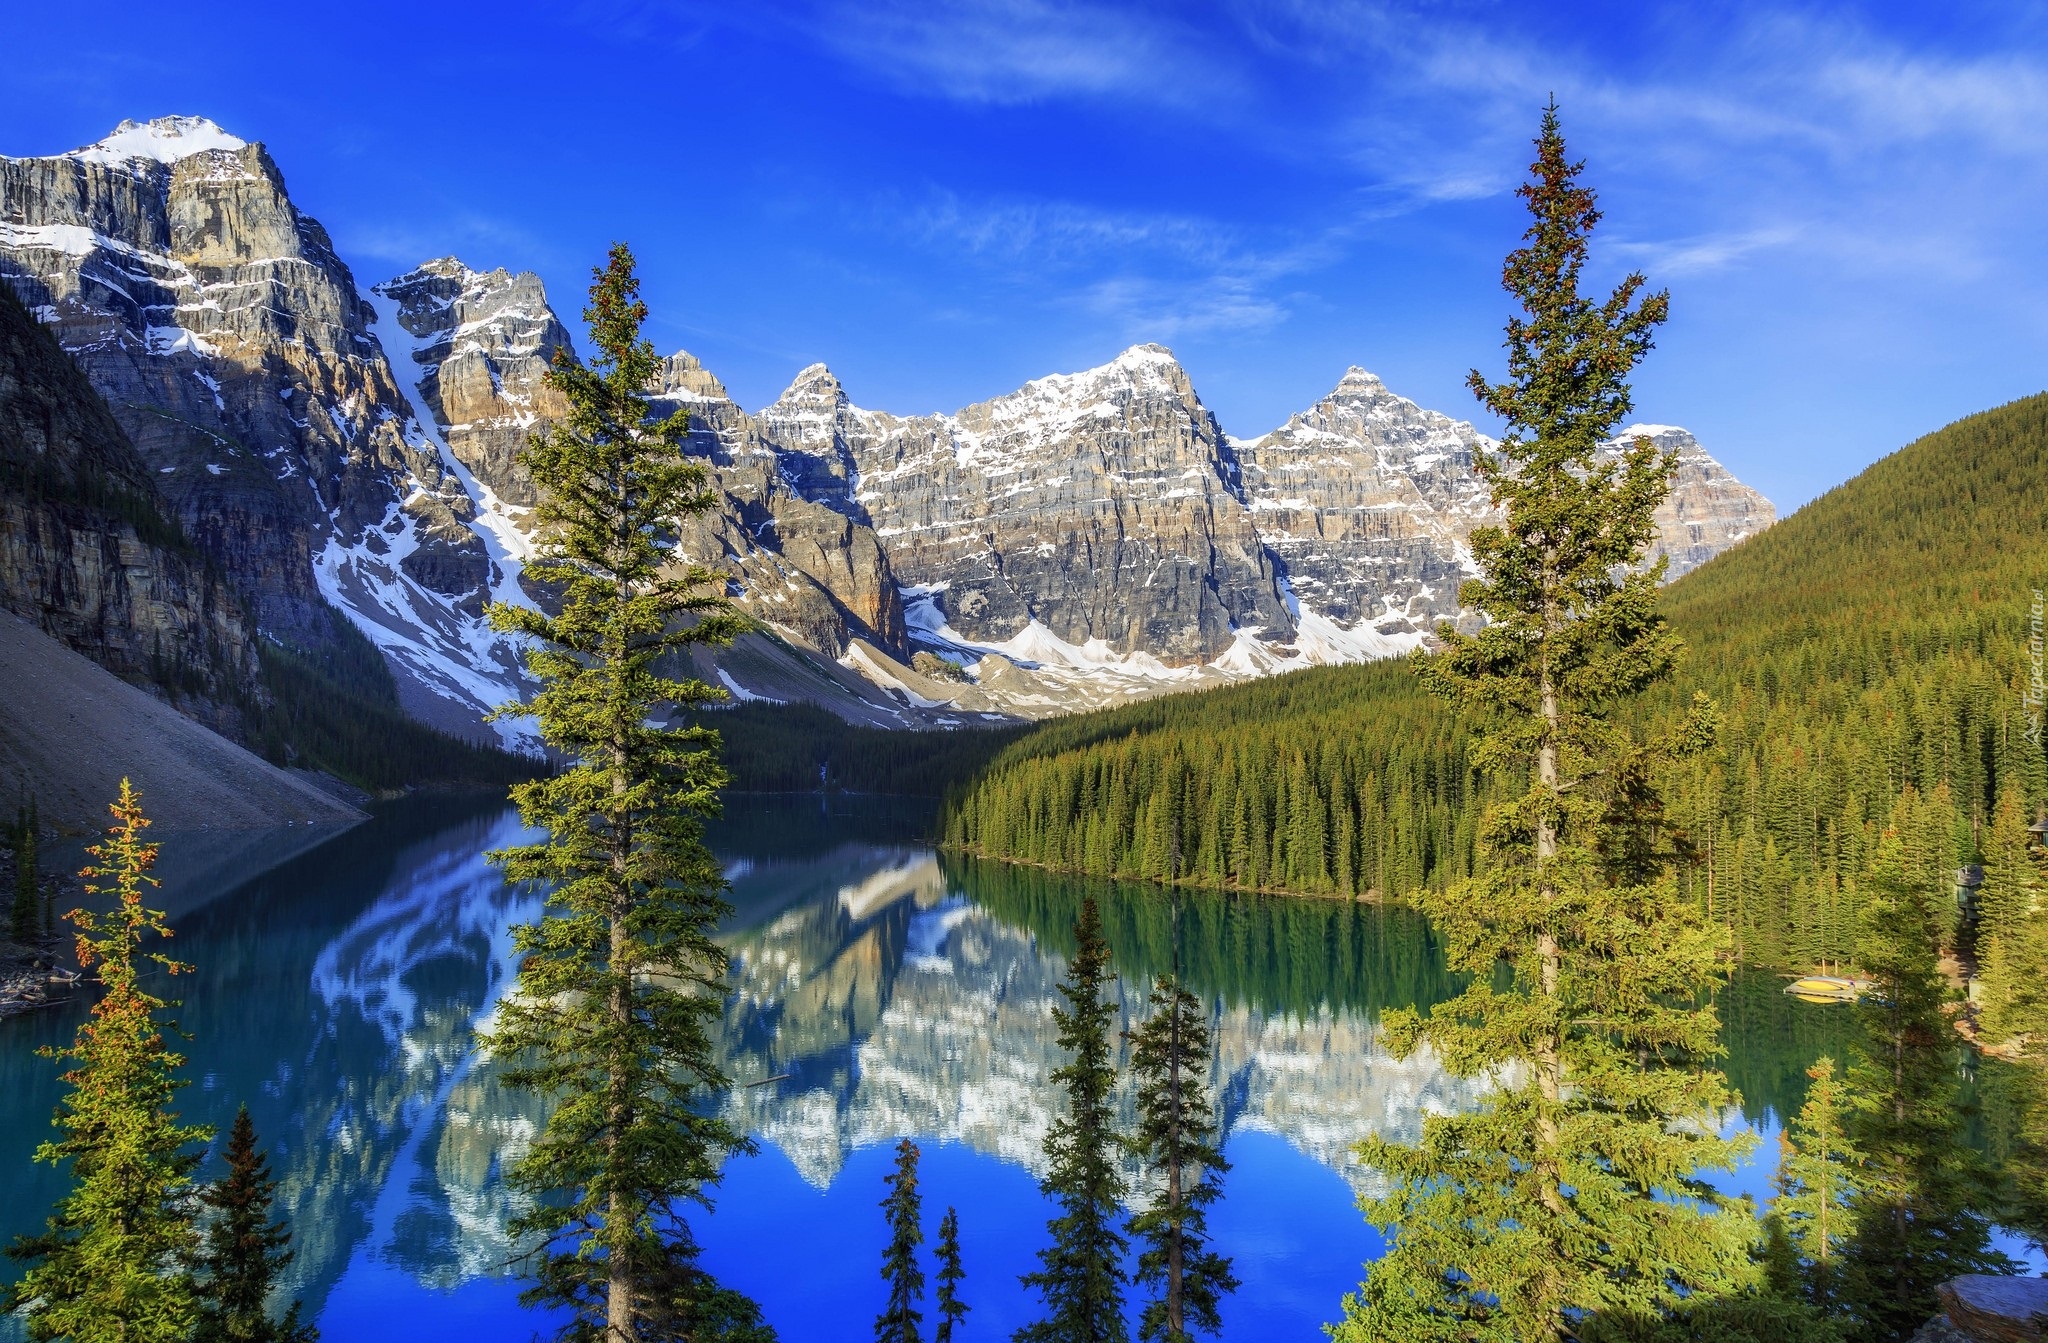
{"x": 234, "y": 349}
{"x": 1093, "y": 505}
{"x": 1090, "y": 537}
{"x": 88, "y": 552}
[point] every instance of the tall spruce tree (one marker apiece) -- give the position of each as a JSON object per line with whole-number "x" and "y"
{"x": 1572, "y": 1193}
{"x": 901, "y": 1314}
{"x": 1081, "y": 1279}
{"x": 620, "y": 982}
{"x": 28, "y": 913}
{"x": 950, "y": 1309}
{"x": 1917, "y": 1206}
{"x": 2012, "y": 933}
{"x": 110, "y": 1263}
{"x": 1817, "y": 1184}
{"x": 1176, "y": 1141}
{"x": 243, "y": 1252}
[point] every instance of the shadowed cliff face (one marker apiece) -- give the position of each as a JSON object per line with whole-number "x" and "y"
{"x": 87, "y": 550}
{"x": 232, "y": 345}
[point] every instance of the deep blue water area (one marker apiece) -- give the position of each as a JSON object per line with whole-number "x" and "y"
{"x": 880, "y": 991}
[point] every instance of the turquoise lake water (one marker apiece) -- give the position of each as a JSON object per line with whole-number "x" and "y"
{"x": 881, "y": 991}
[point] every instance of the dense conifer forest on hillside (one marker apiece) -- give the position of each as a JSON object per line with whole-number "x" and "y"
{"x": 338, "y": 711}
{"x": 1869, "y": 656}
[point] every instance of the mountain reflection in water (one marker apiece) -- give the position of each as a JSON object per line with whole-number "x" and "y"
{"x": 916, "y": 999}
{"x": 880, "y": 991}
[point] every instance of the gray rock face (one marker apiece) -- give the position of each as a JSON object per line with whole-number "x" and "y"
{"x": 1709, "y": 510}
{"x": 87, "y": 551}
{"x": 485, "y": 342}
{"x": 480, "y": 344}
{"x": 1098, "y": 504}
{"x": 231, "y": 342}
{"x": 811, "y": 565}
{"x": 1987, "y": 1309}
{"x": 1369, "y": 502}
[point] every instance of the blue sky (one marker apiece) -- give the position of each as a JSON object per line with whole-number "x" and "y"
{"x": 1849, "y": 205}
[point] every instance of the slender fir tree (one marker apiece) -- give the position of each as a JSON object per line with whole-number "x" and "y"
{"x": 1572, "y": 1192}
{"x": 901, "y": 1315}
{"x": 620, "y": 982}
{"x": 2012, "y": 935}
{"x": 950, "y": 1308}
{"x": 1916, "y": 1207}
{"x": 1817, "y": 1183}
{"x": 109, "y": 1265}
{"x": 1176, "y": 1141}
{"x": 1081, "y": 1279}
{"x": 243, "y": 1252}
{"x": 29, "y": 919}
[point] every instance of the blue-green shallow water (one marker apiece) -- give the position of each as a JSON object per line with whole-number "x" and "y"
{"x": 890, "y": 992}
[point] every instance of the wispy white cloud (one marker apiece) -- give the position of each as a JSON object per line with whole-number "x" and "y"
{"x": 1153, "y": 275}
{"x": 1143, "y": 308}
{"x": 1017, "y": 51}
{"x": 1703, "y": 252}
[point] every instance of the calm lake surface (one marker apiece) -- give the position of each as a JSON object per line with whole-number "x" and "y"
{"x": 881, "y": 991}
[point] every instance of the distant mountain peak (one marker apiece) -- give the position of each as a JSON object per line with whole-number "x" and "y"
{"x": 451, "y": 267}
{"x": 1144, "y": 354}
{"x": 684, "y": 373}
{"x": 162, "y": 139}
{"x": 812, "y": 381}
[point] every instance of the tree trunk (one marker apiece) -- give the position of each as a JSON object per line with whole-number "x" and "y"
{"x": 619, "y": 1218}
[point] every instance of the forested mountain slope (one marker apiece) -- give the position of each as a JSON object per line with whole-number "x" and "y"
{"x": 1869, "y": 654}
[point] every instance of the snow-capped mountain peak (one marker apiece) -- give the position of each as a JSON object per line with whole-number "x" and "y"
{"x": 162, "y": 139}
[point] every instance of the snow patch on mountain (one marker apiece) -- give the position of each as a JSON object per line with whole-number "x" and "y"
{"x": 447, "y": 650}
{"x": 497, "y": 523}
{"x": 160, "y": 140}
{"x": 1095, "y": 666}
{"x": 451, "y": 651}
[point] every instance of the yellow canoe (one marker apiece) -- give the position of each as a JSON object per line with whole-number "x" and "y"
{"x": 1828, "y": 989}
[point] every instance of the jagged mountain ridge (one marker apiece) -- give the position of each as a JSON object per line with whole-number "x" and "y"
{"x": 234, "y": 349}
{"x": 1089, "y": 538}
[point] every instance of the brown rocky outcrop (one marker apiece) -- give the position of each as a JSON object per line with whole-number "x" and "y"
{"x": 1982, "y": 1308}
